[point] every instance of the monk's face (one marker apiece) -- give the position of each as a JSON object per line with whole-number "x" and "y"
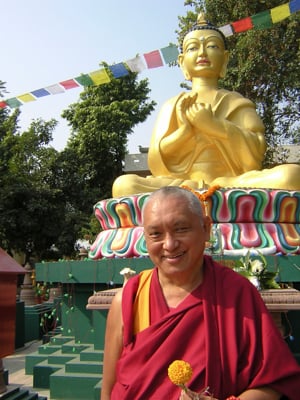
{"x": 175, "y": 235}
{"x": 203, "y": 55}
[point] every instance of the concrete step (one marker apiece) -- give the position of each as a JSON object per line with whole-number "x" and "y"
{"x": 60, "y": 358}
{"x": 48, "y": 349}
{"x": 73, "y": 348}
{"x": 33, "y": 359}
{"x": 60, "y": 339}
{"x": 89, "y": 367}
{"x": 42, "y": 372}
{"x": 18, "y": 393}
{"x": 90, "y": 354}
{"x": 71, "y": 385}
{"x": 97, "y": 390}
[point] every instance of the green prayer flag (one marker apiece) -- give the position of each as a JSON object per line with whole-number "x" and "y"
{"x": 84, "y": 80}
{"x": 13, "y": 102}
{"x": 170, "y": 53}
{"x": 262, "y": 20}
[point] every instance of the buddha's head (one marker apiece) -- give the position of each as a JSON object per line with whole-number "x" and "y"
{"x": 204, "y": 51}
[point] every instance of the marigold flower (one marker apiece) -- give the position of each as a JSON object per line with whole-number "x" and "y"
{"x": 180, "y": 372}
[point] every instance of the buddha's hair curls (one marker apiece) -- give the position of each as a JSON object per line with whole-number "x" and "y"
{"x": 202, "y": 23}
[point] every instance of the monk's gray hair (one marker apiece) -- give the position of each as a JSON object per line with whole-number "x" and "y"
{"x": 192, "y": 200}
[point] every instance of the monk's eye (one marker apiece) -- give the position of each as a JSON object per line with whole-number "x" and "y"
{"x": 154, "y": 234}
{"x": 182, "y": 229}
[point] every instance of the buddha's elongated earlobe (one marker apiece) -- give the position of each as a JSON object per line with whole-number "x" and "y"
{"x": 225, "y": 63}
{"x": 184, "y": 71}
{"x": 187, "y": 75}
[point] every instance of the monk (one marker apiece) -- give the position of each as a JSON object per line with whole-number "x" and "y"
{"x": 208, "y": 136}
{"x": 190, "y": 308}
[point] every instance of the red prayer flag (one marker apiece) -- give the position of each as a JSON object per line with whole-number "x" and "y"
{"x": 242, "y": 25}
{"x": 69, "y": 84}
{"x": 3, "y": 104}
{"x": 153, "y": 59}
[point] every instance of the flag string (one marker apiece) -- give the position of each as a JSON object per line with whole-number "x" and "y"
{"x": 154, "y": 59}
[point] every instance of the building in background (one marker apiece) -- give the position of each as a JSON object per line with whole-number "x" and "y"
{"x": 138, "y": 163}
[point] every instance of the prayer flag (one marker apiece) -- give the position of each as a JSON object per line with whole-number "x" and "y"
{"x": 40, "y": 93}
{"x": 13, "y": 102}
{"x": 55, "y": 89}
{"x": 242, "y": 25}
{"x": 226, "y": 30}
{"x": 279, "y": 13}
{"x": 136, "y": 64}
{"x": 262, "y": 20}
{"x": 153, "y": 59}
{"x": 84, "y": 80}
{"x": 99, "y": 77}
{"x": 294, "y": 6}
{"x": 118, "y": 70}
{"x": 69, "y": 84}
{"x": 170, "y": 53}
{"x": 25, "y": 98}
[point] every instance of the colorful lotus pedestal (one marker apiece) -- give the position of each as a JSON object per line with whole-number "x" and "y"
{"x": 261, "y": 219}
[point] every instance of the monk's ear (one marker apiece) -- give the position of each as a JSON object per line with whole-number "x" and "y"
{"x": 225, "y": 63}
{"x": 206, "y": 227}
{"x": 181, "y": 64}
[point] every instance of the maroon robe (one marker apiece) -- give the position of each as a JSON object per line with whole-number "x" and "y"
{"x": 222, "y": 329}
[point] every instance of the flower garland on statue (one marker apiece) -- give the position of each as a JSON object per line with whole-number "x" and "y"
{"x": 204, "y": 195}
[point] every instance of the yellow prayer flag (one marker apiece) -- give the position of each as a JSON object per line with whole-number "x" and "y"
{"x": 279, "y": 13}
{"x": 26, "y": 97}
{"x": 99, "y": 77}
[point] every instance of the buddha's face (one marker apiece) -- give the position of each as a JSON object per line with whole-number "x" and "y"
{"x": 203, "y": 55}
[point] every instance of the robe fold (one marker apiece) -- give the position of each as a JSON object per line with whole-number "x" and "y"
{"x": 222, "y": 329}
{"x": 225, "y": 105}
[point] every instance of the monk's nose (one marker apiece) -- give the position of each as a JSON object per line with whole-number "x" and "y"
{"x": 170, "y": 242}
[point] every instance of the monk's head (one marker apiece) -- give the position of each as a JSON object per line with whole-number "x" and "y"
{"x": 203, "y": 51}
{"x": 175, "y": 230}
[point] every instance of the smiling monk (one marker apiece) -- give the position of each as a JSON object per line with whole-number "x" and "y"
{"x": 193, "y": 309}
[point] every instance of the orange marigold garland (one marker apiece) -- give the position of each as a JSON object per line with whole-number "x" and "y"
{"x": 203, "y": 196}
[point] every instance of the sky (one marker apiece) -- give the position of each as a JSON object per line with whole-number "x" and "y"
{"x": 45, "y": 42}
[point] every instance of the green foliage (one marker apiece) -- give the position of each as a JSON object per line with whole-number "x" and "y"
{"x": 256, "y": 267}
{"x": 264, "y": 65}
{"x": 46, "y": 196}
{"x": 101, "y": 122}
{"x": 30, "y": 209}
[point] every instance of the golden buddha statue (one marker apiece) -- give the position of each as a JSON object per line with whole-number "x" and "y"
{"x": 208, "y": 136}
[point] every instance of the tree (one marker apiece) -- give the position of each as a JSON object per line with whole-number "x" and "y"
{"x": 264, "y": 65}
{"x": 47, "y": 197}
{"x": 100, "y": 123}
{"x": 30, "y": 209}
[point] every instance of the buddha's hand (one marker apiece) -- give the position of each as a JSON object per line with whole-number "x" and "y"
{"x": 190, "y": 395}
{"x": 200, "y": 115}
{"x": 183, "y": 106}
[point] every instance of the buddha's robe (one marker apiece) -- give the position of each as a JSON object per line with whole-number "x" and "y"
{"x": 222, "y": 329}
{"x": 198, "y": 158}
{"x": 240, "y": 150}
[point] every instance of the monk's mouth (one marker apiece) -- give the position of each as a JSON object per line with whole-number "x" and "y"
{"x": 174, "y": 257}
